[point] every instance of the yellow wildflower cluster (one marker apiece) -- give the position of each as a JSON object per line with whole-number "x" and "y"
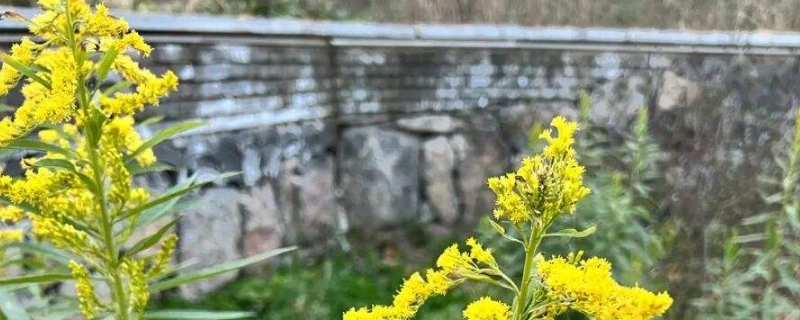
{"x": 454, "y": 267}
{"x": 78, "y": 194}
{"x": 587, "y": 286}
{"x": 50, "y": 97}
{"x": 546, "y": 185}
{"x": 87, "y": 299}
{"x": 487, "y": 309}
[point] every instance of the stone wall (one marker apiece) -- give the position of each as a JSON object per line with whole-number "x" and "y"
{"x": 340, "y": 127}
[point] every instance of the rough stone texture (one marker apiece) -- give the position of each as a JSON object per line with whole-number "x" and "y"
{"x": 616, "y": 102}
{"x": 263, "y": 228}
{"x": 480, "y": 153}
{"x": 676, "y": 91}
{"x": 429, "y": 124}
{"x": 437, "y": 170}
{"x": 210, "y": 236}
{"x": 379, "y": 181}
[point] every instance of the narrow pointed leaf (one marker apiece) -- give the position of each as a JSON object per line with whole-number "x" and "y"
{"x": 164, "y": 135}
{"x": 573, "y": 233}
{"x": 172, "y": 195}
{"x": 105, "y": 64}
{"x": 216, "y": 270}
{"x": 37, "y": 278}
{"x": 196, "y": 315}
{"x": 136, "y": 169}
{"x": 119, "y": 86}
{"x": 152, "y": 239}
{"x": 35, "y": 145}
{"x": 28, "y": 72}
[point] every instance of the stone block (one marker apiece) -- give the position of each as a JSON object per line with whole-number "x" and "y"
{"x": 379, "y": 177}
{"x": 210, "y": 235}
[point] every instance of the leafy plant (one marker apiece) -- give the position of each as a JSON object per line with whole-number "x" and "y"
{"x": 756, "y": 276}
{"x": 545, "y": 188}
{"x": 77, "y": 191}
{"x": 623, "y": 204}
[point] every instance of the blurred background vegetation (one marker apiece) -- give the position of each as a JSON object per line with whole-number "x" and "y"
{"x": 683, "y": 14}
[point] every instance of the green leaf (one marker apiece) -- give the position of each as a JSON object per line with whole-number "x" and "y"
{"x": 117, "y": 87}
{"x": 55, "y": 163}
{"x": 6, "y": 108}
{"x": 35, "y": 145}
{"x": 67, "y": 165}
{"x": 216, "y": 270}
{"x": 163, "y": 135}
{"x": 151, "y": 120}
{"x": 25, "y": 70}
{"x": 135, "y": 169}
{"x": 105, "y": 64}
{"x": 152, "y": 239}
{"x": 573, "y": 233}
{"x": 10, "y": 308}
{"x": 43, "y": 250}
{"x": 497, "y": 227}
{"x": 171, "y": 195}
{"x": 196, "y": 314}
{"x": 36, "y": 278}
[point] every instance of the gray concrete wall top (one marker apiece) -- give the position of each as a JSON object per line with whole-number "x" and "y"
{"x": 500, "y": 34}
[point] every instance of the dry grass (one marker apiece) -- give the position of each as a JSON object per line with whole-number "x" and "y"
{"x": 681, "y": 14}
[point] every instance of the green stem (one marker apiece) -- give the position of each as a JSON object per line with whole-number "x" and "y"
{"x": 114, "y": 281}
{"x": 530, "y": 253}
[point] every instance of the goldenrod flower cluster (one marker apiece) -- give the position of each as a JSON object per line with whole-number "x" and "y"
{"x": 545, "y": 187}
{"x": 487, "y": 309}
{"x": 588, "y": 286}
{"x": 79, "y": 193}
{"x": 454, "y": 267}
{"x": 52, "y": 99}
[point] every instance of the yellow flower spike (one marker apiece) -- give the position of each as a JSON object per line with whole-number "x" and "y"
{"x": 588, "y": 286}
{"x": 24, "y": 53}
{"x": 438, "y": 282}
{"x": 359, "y": 314}
{"x": 7, "y": 236}
{"x": 163, "y": 257}
{"x": 62, "y": 235}
{"x": 487, "y": 309}
{"x": 101, "y": 23}
{"x": 453, "y": 261}
{"x": 11, "y": 214}
{"x": 138, "y": 284}
{"x": 89, "y": 304}
{"x": 480, "y": 254}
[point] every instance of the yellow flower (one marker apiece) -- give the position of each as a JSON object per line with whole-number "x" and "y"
{"x": 487, "y": 309}
{"x": 480, "y": 254}
{"x": 134, "y": 270}
{"x": 101, "y": 23}
{"x": 11, "y": 214}
{"x": 454, "y": 261}
{"x": 24, "y": 53}
{"x": 10, "y": 236}
{"x": 413, "y": 293}
{"x": 162, "y": 258}
{"x": 587, "y": 286}
{"x": 87, "y": 299}
{"x": 545, "y": 186}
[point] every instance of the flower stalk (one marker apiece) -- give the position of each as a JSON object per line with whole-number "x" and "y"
{"x": 544, "y": 188}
